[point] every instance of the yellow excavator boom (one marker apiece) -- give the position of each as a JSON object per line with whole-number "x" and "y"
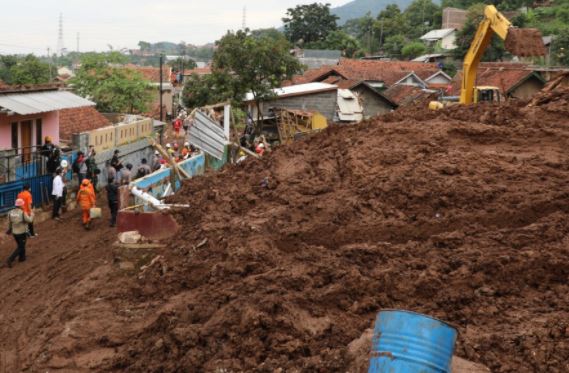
{"x": 523, "y": 42}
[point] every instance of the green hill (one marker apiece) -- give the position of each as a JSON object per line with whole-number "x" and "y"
{"x": 359, "y": 8}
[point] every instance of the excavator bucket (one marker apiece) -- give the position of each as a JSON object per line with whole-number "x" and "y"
{"x": 525, "y": 42}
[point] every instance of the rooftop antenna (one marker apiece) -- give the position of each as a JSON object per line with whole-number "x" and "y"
{"x": 244, "y": 25}
{"x": 60, "y": 46}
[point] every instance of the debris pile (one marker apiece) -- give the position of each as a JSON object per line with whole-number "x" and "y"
{"x": 461, "y": 214}
{"x": 282, "y": 264}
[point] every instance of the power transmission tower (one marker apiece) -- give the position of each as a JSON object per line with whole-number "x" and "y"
{"x": 60, "y": 46}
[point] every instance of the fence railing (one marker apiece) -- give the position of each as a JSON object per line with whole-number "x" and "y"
{"x": 27, "y": 166}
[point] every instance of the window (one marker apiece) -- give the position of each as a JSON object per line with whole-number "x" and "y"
{"x": 14, "y": 135}
{"x": 39, "y": 132}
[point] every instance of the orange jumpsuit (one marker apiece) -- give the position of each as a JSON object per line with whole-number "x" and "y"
{"x": 86, "y": 199}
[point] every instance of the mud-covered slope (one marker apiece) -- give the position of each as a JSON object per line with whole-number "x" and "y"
{"x": 461, "y": 214}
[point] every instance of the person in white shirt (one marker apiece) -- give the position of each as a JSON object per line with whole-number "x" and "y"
{"x": 57, "y": 193}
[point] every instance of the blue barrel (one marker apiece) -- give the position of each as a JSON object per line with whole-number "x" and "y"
{"x": 408, "y": 342}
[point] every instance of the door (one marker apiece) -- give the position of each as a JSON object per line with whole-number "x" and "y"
{"x": 26, "y": 136}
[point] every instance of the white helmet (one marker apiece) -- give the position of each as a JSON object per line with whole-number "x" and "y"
{"x": 168, "y": 145}
{"x": 186, "y": 144}
{"x": 64, "y": 164}
{"x": 156, "y": 152}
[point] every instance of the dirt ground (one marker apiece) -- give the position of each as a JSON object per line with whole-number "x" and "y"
{"x": 461, "y": 214}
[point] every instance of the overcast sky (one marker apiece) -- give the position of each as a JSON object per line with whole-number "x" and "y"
{"x": 31, "y": 26}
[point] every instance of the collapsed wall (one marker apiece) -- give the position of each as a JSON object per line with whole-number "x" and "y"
{"x": 283, "y": 263}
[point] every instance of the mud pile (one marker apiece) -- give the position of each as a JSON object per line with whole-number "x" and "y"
{"x": 282, "y": 264}
{"x": 461, "y": 214}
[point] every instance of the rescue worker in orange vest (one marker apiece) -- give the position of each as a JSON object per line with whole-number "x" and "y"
{"x": 26, "y": 196}
{"x": 86, "y": 199}
{"x": 186, "y": 152}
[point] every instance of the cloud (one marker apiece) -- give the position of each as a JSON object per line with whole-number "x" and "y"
{"x": 122, "y": 23}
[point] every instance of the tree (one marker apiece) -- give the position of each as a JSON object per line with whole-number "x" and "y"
{"x": 364, "y": 30}
{"x": 144, "y": 45}
{"x": 256, "y": 65}
{"x": 560, "y": 48}
{"x": 390, "y": 22}
{"x": 6, "y": 64}
{"x": 113, "y": 87}
{"x": 202, "y": 90}
{"x": 182, "y": 63}
{"x": 495, "y": 51}
{"x": 424, "y": 15}
{"x": 309, "y": 23}
{"x": 394, "y": 44}
{"x": 24, "y": 70}
{"x": 271, "y": 33}
{"x": 413, "y": 49}
{"x": 338, "y": 40}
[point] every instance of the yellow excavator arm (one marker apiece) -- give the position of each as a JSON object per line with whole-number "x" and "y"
{"x": 521, "y": 42}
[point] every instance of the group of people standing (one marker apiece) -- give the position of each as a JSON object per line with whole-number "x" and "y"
{"x": 85, "y": 167}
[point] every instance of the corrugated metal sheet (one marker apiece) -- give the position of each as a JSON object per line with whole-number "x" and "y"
{"x": 437, "y": 34}
{"x": 41, "y": 102}
{"x": 350, "y": 108}
{"x": 322, "y": 53}
{"x": 297, "y": 89}
{"x": 208, "y": 135}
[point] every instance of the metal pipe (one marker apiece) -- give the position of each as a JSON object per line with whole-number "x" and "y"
{"x": 148, "y": 198}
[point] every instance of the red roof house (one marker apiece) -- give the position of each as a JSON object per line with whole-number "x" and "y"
{"x": 514, "y": 80}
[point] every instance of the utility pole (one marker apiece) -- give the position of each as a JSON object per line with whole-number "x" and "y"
{"x": 161, "y": 78}
{"x": 381, "y": 37}
{"x": 49, "y": 62}
{"x": 60, "y": 45}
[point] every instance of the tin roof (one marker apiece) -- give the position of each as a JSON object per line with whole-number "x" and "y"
{"x": 349, "y": 107}
{"x": 437, "y": 34}
{"x": 41, "y": 102}
{"x": 298, "y": 90}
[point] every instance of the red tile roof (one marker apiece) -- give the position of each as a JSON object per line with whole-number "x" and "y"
{"x": 389, "y": 72}
{"x": 348, "y": 84}
{"x": 503, "y": 78}
{"x": 404, "y": 94}
{"x": 332, "y": 79}
{"x": 30, "y": 87}
{"x": 80, "y": 120}
{"x": 198, "y": 71}
{"x": 152, "y": 74}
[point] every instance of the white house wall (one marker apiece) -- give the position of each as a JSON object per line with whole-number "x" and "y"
{"x": 449, "y": 41}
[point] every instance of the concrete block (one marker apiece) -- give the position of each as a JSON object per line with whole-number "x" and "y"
{"x": 130, "y": 237}
{"x": 126, "y": 266}
{"x": 460, "y": 365}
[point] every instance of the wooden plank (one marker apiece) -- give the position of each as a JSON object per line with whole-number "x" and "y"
{"x": 138, "y": 245}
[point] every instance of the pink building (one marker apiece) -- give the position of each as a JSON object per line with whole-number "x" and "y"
{"x": 29, "y": 113}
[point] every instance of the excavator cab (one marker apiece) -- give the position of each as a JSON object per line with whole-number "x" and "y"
{"x": 486, "y": 94}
